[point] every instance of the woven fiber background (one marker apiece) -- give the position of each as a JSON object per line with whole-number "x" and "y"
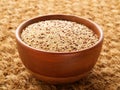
{"x": 106, "y": 73}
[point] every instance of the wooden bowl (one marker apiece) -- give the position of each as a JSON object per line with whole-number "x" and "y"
{"x": 55, "y": 67}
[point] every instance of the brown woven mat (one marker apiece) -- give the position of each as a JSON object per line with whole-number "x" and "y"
{"x": 106, "y": 73}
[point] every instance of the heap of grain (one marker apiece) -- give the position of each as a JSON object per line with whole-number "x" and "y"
{"x": 59, "y": 36}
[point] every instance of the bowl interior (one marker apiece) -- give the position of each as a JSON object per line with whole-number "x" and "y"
{"x": 90, "y": 24}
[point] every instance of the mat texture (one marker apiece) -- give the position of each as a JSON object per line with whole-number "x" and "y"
{"x": 106, "y": 73}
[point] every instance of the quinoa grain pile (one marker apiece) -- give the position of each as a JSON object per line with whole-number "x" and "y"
{"x": 59, "y": 36}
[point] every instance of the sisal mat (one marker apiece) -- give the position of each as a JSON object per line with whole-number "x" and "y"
{"x": 106, "y": 73}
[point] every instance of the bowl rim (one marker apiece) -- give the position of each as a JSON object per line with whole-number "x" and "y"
{"x": 18, "y": 30}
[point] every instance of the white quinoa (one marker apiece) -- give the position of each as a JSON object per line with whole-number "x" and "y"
{"x": 59, "y": 36}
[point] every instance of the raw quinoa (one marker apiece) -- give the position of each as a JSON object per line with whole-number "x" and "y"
{"x": 59, "y": 36}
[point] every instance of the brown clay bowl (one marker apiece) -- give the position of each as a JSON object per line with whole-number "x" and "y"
{"x": 54, "y": 67}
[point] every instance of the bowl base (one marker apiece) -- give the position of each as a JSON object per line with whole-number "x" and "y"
{"x": 58, "y": 80}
